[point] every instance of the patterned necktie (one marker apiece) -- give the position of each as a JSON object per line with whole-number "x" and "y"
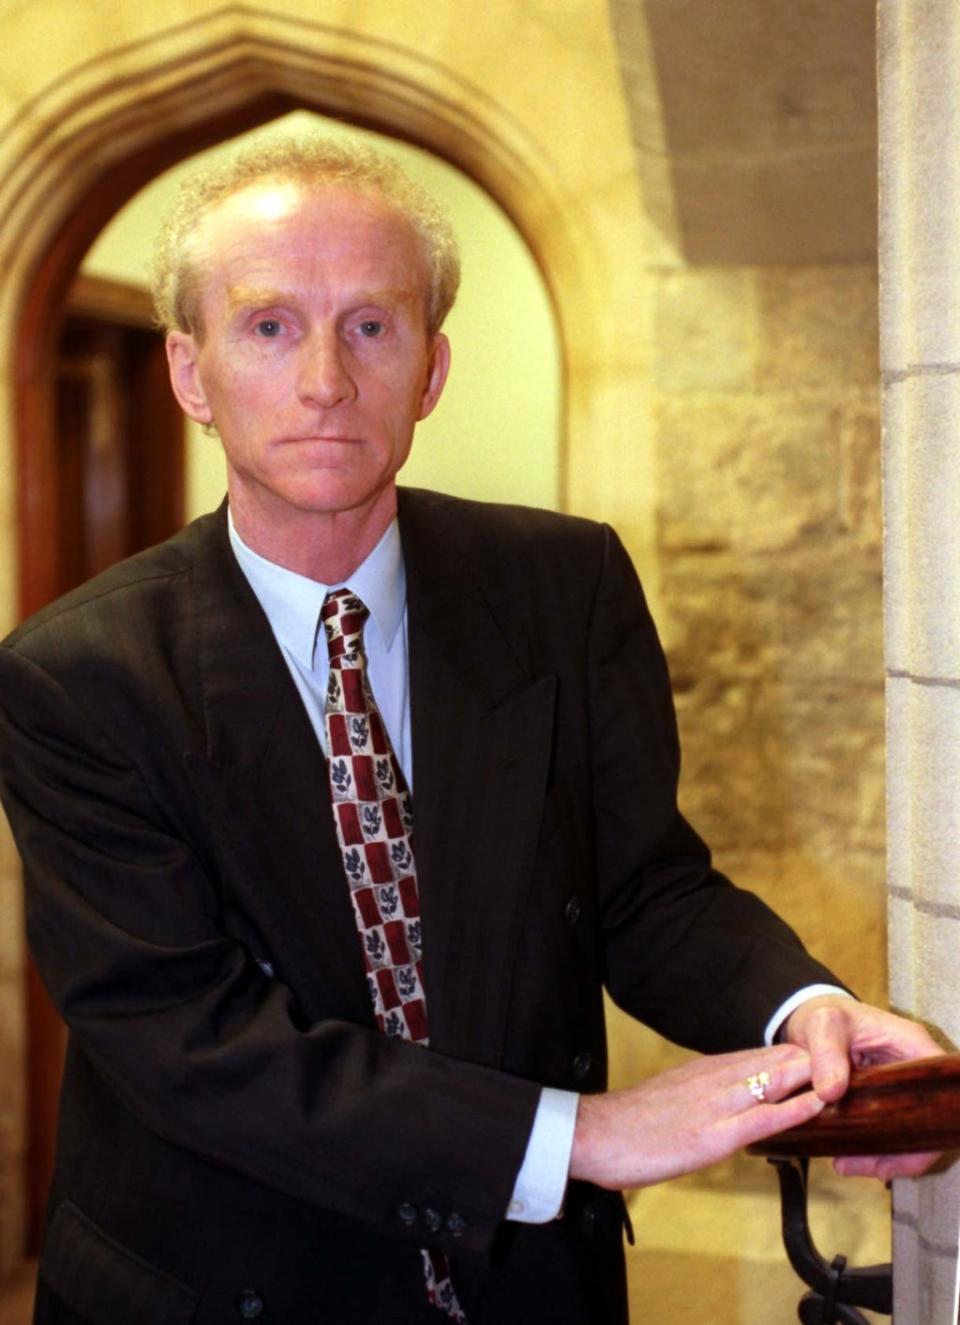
{"x": 374, "y": 821}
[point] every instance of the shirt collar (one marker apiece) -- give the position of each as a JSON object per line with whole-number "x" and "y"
{"x": 292, "y": 602}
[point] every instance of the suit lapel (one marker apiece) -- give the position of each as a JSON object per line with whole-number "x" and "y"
{"x": 482, "y": 734}
{"x": 262, "y": 778}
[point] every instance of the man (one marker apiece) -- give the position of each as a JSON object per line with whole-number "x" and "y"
{"x": 253, "y": 1124}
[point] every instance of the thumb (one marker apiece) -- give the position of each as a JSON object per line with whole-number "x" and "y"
{"x": 828, "y": 1047}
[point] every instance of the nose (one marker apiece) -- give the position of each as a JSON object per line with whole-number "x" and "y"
{"x": 324, "y": 377}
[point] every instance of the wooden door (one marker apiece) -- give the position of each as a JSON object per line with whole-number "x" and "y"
{"x": 118, "y": 481}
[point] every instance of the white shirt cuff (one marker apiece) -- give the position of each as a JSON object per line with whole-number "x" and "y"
{"x": 542, "y": 1181}
{"x": 793, "y": 1002}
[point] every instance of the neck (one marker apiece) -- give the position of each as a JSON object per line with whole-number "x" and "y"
{"x": 326, "y": 546}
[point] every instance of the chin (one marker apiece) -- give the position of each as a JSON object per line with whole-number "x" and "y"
{"x": 331, "y": 498}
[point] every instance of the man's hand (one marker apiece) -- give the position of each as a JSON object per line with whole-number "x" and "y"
{"x": 689, "y": 1117}
{"x": 839, "y": 1031}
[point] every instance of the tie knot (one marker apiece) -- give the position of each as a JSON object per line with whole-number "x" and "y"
{"x": 343, "y": 615}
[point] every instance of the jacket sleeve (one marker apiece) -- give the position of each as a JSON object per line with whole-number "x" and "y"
{"x": 205, "y": 1049}
{"x": 703, "y": 962}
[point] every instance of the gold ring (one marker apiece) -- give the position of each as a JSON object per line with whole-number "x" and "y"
{"x": 757, "y": 1085}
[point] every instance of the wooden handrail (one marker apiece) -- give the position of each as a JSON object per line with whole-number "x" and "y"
{"x": 892, "y": 1109}
{"x": 888, "y": 1110}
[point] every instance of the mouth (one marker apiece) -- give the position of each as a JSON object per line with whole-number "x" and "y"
{"x": 322, "y": 440}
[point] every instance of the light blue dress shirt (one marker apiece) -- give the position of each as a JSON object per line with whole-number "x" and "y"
{"x": 292, "y": 605}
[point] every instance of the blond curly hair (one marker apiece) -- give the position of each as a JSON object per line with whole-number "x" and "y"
{"x": 314, "y": 161}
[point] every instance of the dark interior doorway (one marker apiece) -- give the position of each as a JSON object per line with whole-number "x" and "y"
{"x": 119, "y": 431}
{"x": 116, "y": 486}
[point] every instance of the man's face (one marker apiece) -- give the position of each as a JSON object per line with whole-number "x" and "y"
{"x": 315, "y": 364}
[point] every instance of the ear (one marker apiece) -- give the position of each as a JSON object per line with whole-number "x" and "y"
{"x": 438, "y": 368}
{"x": 182, "y": 358}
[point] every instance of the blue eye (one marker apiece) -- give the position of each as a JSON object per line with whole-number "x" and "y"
{"x": 370, "y": 327}
{"x": 269, "y": 327}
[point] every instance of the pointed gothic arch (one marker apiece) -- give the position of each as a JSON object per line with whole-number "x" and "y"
{"x": 87, "y": 144}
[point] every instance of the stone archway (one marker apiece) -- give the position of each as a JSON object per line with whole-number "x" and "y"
{"x": 94, "y": 139}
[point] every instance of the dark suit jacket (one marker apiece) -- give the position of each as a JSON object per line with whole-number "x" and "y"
{"x": 236, "y": 1140}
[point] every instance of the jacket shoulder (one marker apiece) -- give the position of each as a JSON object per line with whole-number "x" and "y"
{"x": 525, "y": 538}
{"x": 540, "y": 574}
{"x": 501, "y": 519}
{"x": 131, "y": 588}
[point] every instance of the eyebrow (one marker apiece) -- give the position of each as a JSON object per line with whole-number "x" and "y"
{"x": 246, "y": 296}
{"x": 243, "y": 296}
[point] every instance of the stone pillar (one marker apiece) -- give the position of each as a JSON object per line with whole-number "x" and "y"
{"x": 919, "y": 49}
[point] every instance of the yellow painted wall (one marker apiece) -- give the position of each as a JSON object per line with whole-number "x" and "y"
{"x": 496, "y": 433}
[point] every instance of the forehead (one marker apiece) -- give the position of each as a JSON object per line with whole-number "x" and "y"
{"x": 329, "y": 235}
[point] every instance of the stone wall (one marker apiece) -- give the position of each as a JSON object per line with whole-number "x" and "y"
{"x": 766, "y": 416}
{"x": 769, "y": 534}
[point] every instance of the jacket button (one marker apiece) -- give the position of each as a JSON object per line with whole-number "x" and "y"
{"x": 588, "y": 1220}
{"x": 572, "y": 910}
{"x": 249, "y": 1304}
{"x": 582, "y": 1065}
{"x": 456, "y": 1224}
{"x": 407, "y": 1213}
{"x": 433, "y": 1220}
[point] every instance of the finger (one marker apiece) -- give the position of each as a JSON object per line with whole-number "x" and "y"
{"x": 828, "y": 1045}
{"x": 766, "y": 1120}
{"x": 910, "y": 1041}
{"x": 769, "y": 1100}
{"x": 885, "y": 1167}
{"x": 773, "y": 1076}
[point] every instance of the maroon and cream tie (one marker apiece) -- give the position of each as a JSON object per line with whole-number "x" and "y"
{"x": 374, "y": 822}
